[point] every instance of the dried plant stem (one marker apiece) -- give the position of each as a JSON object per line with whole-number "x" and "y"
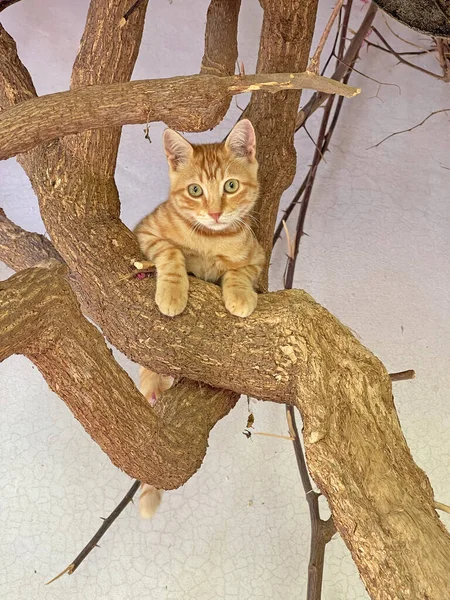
{"x": 403, "y": 375}
{"x": 349, "y": 58}
{"x": 321, "y": 531}
{"x": 443, "y": 50}
{"x": 100, "y": 533}
{"x": 442, "y": 507}
{"x": 401, "y": 59}
{"x": 435, "y": 112}
{"x": 313, "y": 66}
{"x": 308, "y": 190}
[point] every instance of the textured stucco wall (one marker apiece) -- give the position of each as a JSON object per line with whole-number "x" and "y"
{"x": 376, "y": 255}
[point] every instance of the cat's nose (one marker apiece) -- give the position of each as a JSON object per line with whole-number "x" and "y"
{"x": 215, "y": 216}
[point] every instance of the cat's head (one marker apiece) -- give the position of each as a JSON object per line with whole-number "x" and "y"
{"x": 213, "y": 185}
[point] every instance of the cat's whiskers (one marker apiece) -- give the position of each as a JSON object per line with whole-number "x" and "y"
{"x": 245, "y": 226}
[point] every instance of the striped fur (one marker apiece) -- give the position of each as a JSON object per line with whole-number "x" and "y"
{"x": 209, "y": 236}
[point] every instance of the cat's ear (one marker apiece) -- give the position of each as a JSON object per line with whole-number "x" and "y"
{"x": 177, "y": 149}
{"x": 241, "y": 140}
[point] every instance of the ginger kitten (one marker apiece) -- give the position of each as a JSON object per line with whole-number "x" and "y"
{"x": 203, "y": 228}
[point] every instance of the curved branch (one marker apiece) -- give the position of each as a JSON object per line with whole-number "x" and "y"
{"x": 198, "y": 100}
{"x": 41, "y": 319}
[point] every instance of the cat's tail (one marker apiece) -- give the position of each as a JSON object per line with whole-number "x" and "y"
{"x": 151, "y": 386}
{"x": 149, "y": 500}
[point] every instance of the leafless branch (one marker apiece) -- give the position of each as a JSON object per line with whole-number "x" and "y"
{"x": 100, "y": 533}
{"x": 435, "y": 112}
{"x": 313, "y": 66}
{"x": 116, "y": 104}
{"x": 403, "y": 375}
{"x": 401, "y": 59}
{"x": 349, "y": 58}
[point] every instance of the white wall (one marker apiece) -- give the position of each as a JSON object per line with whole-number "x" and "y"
{"x": 376, "y": 256}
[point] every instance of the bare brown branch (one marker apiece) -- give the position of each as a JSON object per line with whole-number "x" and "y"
{"x": 315, "y": 61}
{"x": 342, "y": 68}
{"x": 435, "y": 112}
{"x": 100, "y": 532}
{"x": 20, "y": 249}
{"x": 402, "y": 60}
{"x": 403, "y": 375}
{"x": 15, "y": 81}
{"x": 198, "y": 99}
{"x": 41, "y": 319}
{"x": 107, "y": 55}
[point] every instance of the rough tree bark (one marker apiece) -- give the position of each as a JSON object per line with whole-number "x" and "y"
{"x": 286, "y": 38}
{"x": 291, "y": 350}
{"x": 191, "y": 103}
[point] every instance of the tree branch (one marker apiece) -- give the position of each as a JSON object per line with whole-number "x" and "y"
{"x": 198, "y": 98}
{"x": 221, "y": 49}
{"x": 285, "y": 45}
{"x": 20, "y": 249}
{"x": 402, "y": 60}
{"x": 100, "y": 532}
{"x": 107, "y": 55}
{"x": 41, "y": 319}
{"x": 349, "y": 59}
{"x": 15, "y": 81}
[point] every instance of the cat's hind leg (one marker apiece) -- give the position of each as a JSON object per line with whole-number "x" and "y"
{"x": 152, "y": 385}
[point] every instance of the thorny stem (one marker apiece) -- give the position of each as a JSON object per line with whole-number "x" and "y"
{"x": 349, "y": 58}
{"x": 101, "y": 531}
{"x": 401, "y": 59}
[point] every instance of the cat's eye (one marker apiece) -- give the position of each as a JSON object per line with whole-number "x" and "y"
{"x": 231, "y": 186}
{"x": 195, "y": 190}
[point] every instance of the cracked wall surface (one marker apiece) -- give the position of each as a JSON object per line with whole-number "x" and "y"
{"x": 376, "y": 255}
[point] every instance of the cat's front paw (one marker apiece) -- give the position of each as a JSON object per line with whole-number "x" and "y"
{"x": 170, "y": 298}
{"x": 240, "y": 303}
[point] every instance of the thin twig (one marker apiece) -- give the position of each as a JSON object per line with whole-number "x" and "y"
{"x": 100, "y": 533}
{"x": 403, "y": 375}
{"x": 435, "y": 112}
{"x": 399, "y": 37}
{"x": 442, "y": 507}
{"x": 349, "y": 58}
{"x": 418, "y": 53}
{"x": 443, "y": 50}
{"x": 380, "y": 83}
{"x": 308, "y": 190}
{"x": 321, "y": 531}
{"x": 274, "y": 435}
{"x": 313, "y": 66}
{"x": 401, "y": 59}
{"x": 130, "y": 11}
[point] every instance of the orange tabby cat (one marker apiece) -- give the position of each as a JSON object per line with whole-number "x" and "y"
{"x": 204, "y": 229}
